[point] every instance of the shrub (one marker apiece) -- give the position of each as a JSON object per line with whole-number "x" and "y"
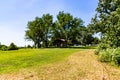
{"x": 116, "y": 56}
{"x": 103, "y": 46}
{"x": 12, "y": 47}
{"x": 4, "y": 48}
{"x": 0, "y": 47}
{"x": 105, "y": 56}
{"x": 117, "y": 59}
{"x": 97, "y": 52}
{"x": 29, "y": 46}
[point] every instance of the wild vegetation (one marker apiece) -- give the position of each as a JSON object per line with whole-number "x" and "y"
{"x": 107, "y": 23}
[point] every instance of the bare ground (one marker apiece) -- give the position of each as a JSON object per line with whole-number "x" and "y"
{"x": 82, "y": 65}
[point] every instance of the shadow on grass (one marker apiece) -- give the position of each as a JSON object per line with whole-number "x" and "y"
{"x": 70, "y": 47}
{"x": 74, "y": 47}
{"x": 83, "y": 47}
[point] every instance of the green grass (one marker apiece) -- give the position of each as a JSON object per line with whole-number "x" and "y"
{"x": 15, "y": 60}
{"x": 83, "y": 47}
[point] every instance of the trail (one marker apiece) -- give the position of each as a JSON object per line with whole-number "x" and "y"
{"x": 82, "y": 65}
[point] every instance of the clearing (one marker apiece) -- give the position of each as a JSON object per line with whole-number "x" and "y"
{"x": 82, "y": 65}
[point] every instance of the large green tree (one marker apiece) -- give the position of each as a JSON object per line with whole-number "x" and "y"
{"x": 38, "y": 30}
{"x": 106, "y": 21}
{"x": 63, "y": 21}
{"x": 35, "y": 31}
{"x": 67, "y": 27}
{"x": 47, "y": 25}
{"x": 104, "y": 10}
{"x": 75, "y": 30}
{"x": 43, "y": 32}
{"x": 112, "y": 35}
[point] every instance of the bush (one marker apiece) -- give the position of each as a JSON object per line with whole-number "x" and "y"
{"x": 0, "y": 47}
{"x": 116, "y": 56}
{"x": 110, "y": 55}
{"x": 97, "y": 52}
{"x": 4, "y": 48}
{"x": 12, "y": 47}
{"x": 105, "y": 56}
{"x": 103, "y": 46}
{"x": 29, "y": 46}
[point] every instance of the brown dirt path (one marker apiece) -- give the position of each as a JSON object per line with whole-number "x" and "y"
{"x": 82, "y": 65}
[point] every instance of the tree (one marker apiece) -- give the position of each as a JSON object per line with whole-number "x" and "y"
{"x": 96, "y": 41}
{"x": 29, "y": 46}
{"x": 113, "y": 36}
{"x": 106, "y": 21}
{"x": 35, "y": 31}
{"x": 75, "y": 30}
{"x": 86, "y": 36}
{"x": 63, "y": 21}
{"x": 67, "y": 27}
{"x": 4, "y": 48}
{"x": 12, "y": 47}
{"x": 104, "y": 9}
{"x": 38, "y": 30}
{"x": 47, "y": 24}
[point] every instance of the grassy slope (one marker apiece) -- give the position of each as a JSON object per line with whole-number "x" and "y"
{"x": 82, "y": 65}
{"x": 79, "y": 66}
{"x": 15, "y": 60}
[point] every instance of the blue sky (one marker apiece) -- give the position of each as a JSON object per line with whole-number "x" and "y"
{"x": 14, "y": 15}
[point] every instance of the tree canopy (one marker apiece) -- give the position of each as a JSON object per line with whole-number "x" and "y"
{"x": 107, "y": 22}
{"x": 65, "y": 31}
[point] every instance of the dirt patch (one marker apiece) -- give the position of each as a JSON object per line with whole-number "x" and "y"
{"x": 82, "y": 65}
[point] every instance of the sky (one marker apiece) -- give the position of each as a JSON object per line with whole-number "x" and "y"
{"x": 15, "y": 14}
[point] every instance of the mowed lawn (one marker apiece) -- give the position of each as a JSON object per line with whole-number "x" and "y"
{"x": 19, "y": 59}
{"x": 55, "y": 64}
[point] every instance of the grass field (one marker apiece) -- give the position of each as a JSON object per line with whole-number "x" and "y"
{"x": 55, "y": 64}
{"x": 15, "y": 60}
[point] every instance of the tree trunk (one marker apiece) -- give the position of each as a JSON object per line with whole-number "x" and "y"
{"x": 35, "y": 44}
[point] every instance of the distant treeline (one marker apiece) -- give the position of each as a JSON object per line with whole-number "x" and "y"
{"x": 12, "y": 46}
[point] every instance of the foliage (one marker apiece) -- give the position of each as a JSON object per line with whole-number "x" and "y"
{"x": 47, "y": 25}
{"x": 103, "y": 46}
{"x": 0, "y": 45}
{"x": 38, "y": 30}
{"x": 4, "y": 48}
{"x": 87, "y": 38}
{"x": 12, "y": 47}
{"x": 116, "y": 59}
{"x": 110, "y": 55}
{"x": 116, "y": 56}
{"x": 95, "y": 41}
{"x": 29, "y": 46}
{"x": 68, "y": 28}
{"x": 105, "y": 56}
{"x": 97, "y": 52}
{"x": 44, "y": 32}
{"x": 35, "y": 31}
{"x": 106, "y": 22}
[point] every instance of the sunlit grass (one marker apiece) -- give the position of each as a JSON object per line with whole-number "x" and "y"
{"x": 23, "y": 58}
